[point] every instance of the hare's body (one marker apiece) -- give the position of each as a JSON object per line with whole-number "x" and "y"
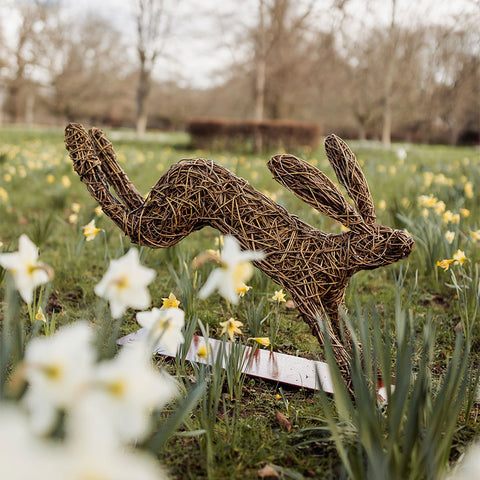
{"x": 312, "y": 266}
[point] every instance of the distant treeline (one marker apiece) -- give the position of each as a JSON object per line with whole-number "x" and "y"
{"x": 418, "y": 83}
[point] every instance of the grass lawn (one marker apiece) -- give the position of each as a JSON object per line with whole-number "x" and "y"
{"x": 41, "y": 195}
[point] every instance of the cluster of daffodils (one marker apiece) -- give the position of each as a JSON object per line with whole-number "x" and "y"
{"x": 106, "y": 405}
{"x": 429, "y": 203}
{"x": 458, "y": 258}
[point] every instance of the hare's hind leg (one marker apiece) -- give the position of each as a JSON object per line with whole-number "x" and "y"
{"x": 114, "y": 173}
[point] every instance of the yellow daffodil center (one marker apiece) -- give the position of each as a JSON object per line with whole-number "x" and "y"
{"x": 117, "y": 388}
{"x": 31, "y": 268}
{"x": 163, "y": 325}
{"x": 203, "y": 351}
{"x": 53, "y": 372}
{"x": 242, "y": 289}
{"x": 40, "y": 316}
{"x": 121, "y": 282}
{"x": 231, "y": 327}
{"x": 242, "y": 272}
{"x": 459, "y": 256}
{"x": 170, "y": 302}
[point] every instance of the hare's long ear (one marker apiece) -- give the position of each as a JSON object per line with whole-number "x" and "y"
{"x": 316, "y": 189}
{"x": 114, "y": 173}
{"x": 350, "y": 175}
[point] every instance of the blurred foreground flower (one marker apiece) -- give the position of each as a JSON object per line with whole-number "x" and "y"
{"x": 231, "y": 328}
{"x": 18, "y": 443}
{"x": 164, "y": 326}
{"x": 124, "y": 284}
{"x": 89, "y": 451}
{"x": 57, "y": 370}
{"x": 236, "y": 269}
{"x": 27, "y": 271}
{"x": 90, "y": 230}
{"x": 469, "y": 466}
{"x": 128, "y": 389}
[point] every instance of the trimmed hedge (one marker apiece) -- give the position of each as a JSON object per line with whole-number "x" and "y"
{"x": 249, "y": 135}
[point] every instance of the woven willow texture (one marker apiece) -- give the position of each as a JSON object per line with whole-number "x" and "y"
{"x": 314, "y": 267}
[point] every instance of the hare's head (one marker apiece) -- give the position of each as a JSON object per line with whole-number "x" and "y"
{"x": 382, "y": 246}
{"x": 368, "y": 245}
{"x": 371, "y": 245}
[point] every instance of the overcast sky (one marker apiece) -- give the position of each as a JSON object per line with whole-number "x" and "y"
{"x": 203, "y": 41}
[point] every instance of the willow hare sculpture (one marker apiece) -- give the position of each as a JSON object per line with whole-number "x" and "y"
{"x": 314, "y": 267}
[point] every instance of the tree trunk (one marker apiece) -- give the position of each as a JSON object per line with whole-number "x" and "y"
{"x": 362, "y": 132}
{"x": 387, "y": 121}
{"x": 3, "y": 96}
{"x": 388, "y": 81}
{"x": 30, "y": 108}
{"x": 260, "y": 77}
{"x": 143, "y": 91}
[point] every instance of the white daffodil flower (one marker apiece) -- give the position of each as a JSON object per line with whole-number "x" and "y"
{"x": 18, "y": 443}
{"x": 90, "y": 230}
{"x": 236, "y": 270}
{"x": 93, "y": 450}
{"x": 57, "y": 369}
{"x": 164, "y": 326}
{"x": 124, "y": 284}
{"x": 27, "y": 271}
{"x": 128, "y": 388}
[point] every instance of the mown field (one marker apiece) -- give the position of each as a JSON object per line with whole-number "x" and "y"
{"x": 431, "y": 191}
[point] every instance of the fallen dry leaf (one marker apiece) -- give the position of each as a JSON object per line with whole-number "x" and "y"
{"x": 290, "y": 305}
{"x": 283, "y": 421}
{"x": 267, "y": 471}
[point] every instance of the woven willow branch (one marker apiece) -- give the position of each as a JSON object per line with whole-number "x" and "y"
{"x": 314, "y": 267}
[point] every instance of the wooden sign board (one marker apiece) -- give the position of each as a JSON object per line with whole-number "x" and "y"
{"x": 257, "y": 362}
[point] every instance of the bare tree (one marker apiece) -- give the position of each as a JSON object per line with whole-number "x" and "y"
{"x": 389, "y": 66}
{"x": 456, "y": 81}
{"x": 153, "y": 21}
{"x": 87, "y": 70}
{"x": 32, "y": 17}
